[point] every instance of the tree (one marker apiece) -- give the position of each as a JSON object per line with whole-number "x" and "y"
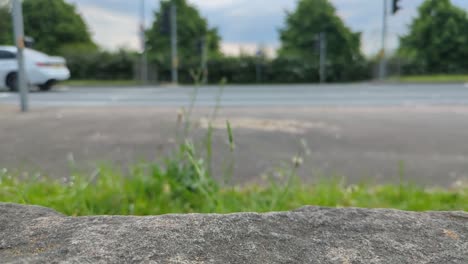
{"x": 299, "y": 41}
{"x": 438, "y": 38}
{"x": 6, "y": 30}
{"x": 54, "y": 25}
{"x": 191, "y": 28}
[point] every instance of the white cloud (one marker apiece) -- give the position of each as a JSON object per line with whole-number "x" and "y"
{"x": 213, "y": 4}
{"x": 111, "y": 29}
{"x": 234, "y": 49}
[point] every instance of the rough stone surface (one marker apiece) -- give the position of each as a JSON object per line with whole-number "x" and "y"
{"x": 30, "y": 234}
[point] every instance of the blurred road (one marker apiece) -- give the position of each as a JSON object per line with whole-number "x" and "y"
{"x": 363, "y": 94}
{"x": 360, "y": 131}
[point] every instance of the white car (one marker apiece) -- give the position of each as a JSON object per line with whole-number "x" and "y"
{"x": 42, "y": 70}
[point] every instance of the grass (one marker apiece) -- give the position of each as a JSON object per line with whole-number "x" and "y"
{"x": 433, "y": 79}
{"x": 149, "y": 189}
{"x": 101, "y": 83}
{"x": 439, "y": 78}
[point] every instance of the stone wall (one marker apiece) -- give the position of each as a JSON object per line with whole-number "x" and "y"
{"x": 30, "y": 234}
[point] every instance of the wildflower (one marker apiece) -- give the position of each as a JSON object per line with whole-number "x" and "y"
{"x": 297, "y": 161}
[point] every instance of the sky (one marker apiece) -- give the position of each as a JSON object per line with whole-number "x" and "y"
{"x": 244, "y": 24}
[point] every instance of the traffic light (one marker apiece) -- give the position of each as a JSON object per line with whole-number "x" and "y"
{"x": 396, "y": 6}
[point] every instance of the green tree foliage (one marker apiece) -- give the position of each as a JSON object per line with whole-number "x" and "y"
{"x": 438, "y": 39}
{"x": 55, "y": 25}
{"x": 299, "y": 37}
{"x": 6, "y": 30}
{"x": 191, "y": 28}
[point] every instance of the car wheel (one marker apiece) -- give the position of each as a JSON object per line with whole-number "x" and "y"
{"x": 46, "y": 86}
{"x": 12, "y": 81}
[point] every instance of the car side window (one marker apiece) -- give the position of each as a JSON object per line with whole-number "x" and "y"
{"x": 6, "y": 55}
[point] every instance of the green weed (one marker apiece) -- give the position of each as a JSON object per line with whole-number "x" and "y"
{"x": 182, "y": 186}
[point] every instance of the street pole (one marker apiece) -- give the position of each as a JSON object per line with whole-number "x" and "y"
{"x": 261, "y": 56}
{"x": 258, "y": 67}
{"x": 18, "y": 27}
{"x": 383, "y": 57}
{"x": 323, "y": 57}
{"x": 258, "y": 70}
{"x": 204, "y": 61}
{"x": 144, "y": 54}
{"x": 175, "y": 60}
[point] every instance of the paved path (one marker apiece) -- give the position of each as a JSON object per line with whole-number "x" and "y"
{"x": 360, "y": 143}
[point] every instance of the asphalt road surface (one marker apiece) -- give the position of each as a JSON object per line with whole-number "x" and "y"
{"x": 360, "y": 132}
{"x": 363, "y": 94}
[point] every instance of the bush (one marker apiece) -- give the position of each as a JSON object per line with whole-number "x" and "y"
{"x": 243, "y": 70}
{"x": 99, "y": 65}
{"x": 86, "y": 62}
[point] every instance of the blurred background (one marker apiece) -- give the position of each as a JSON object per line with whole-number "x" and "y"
{"x": 260, "y": 41}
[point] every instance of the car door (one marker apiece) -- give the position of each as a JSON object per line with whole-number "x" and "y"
{"x": 8, "y": 64}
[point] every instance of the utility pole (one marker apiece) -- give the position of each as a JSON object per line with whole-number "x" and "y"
{"x": 18, "y": 27}
{"x": 383, "y": 55}
{"x": 323, "y": 57}
{"x": 204, "y": 59}
{"x": 144, "y": 54}
{"x": 258, "y": 64}
{"x": 175, "y": 59}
